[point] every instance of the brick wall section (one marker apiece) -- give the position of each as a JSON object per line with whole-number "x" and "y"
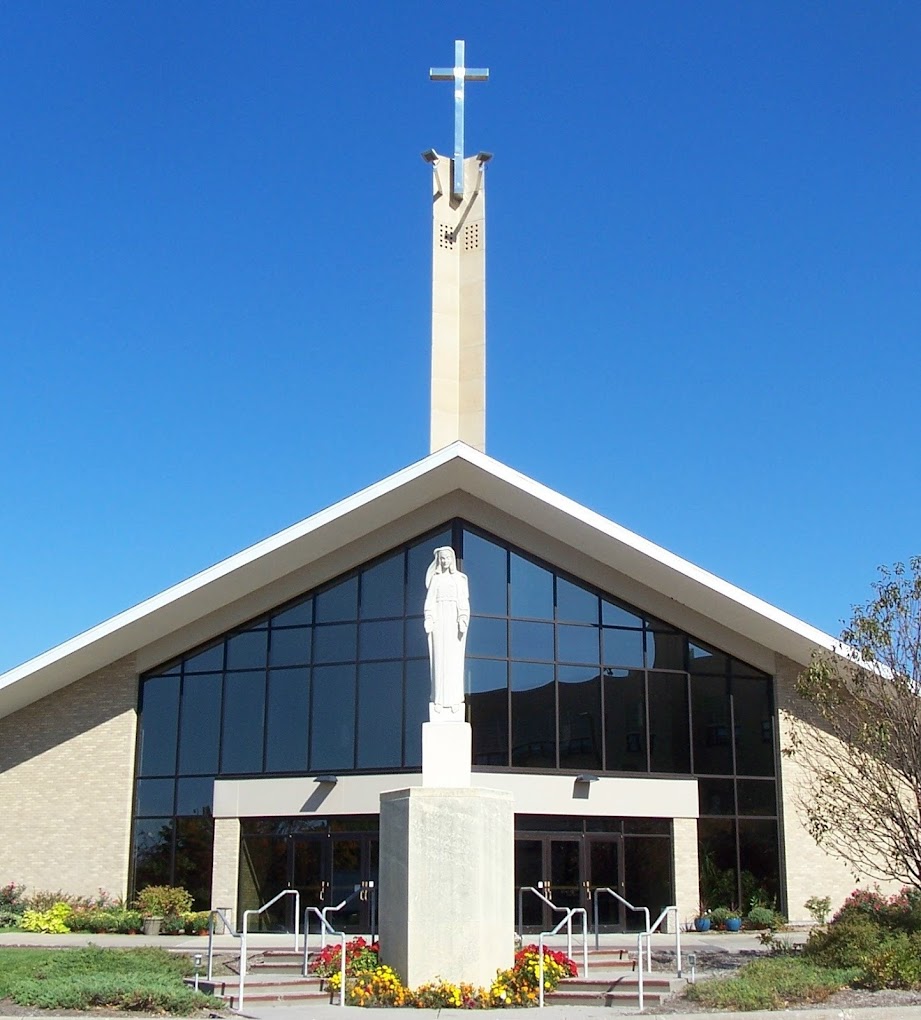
{"x": 66, "y": 772}
{"x": 810, "y": 871}
{"x": 687, "y": 886}
{"x": 226, "y": 865}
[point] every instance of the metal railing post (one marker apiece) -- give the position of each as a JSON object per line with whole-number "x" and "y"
{"x": 639, "y": 971}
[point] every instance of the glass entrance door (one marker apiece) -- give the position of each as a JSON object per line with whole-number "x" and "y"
{"x": 327, "y": 869}
{"x": 567, "y": 869}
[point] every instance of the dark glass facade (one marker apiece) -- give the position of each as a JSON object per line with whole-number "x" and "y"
{"x": 560, "y": 676}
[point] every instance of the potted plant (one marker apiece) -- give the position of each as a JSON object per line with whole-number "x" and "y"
{"x": 702, "y": 921}
{"x": 733, "y": 921}
{"x": 159, "y": 904}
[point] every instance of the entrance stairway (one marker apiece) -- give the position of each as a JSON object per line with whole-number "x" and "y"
{"x": 612, "y": 981}
{"x": 272, "y": 976}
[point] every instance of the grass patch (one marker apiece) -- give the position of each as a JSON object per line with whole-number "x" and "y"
{"x": 130, "y": 979}
{"x": 772, "y": 984}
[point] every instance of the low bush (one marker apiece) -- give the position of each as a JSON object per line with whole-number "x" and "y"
{"x": 12, "y": 898}
{"x": 196, "y": 921}
{"x": 52, "y": 921}
{"x": 896, "y": 964}
{"x": 10, "y": 918}
{"x": 121, "y": 921}
{"x": 774, "y": 983}
{"x": 846, "y": 943}
{"x": 760, "y": 918}
{"x": 164, "y": 901}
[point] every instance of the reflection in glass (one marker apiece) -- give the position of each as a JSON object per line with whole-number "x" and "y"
{"x": 153, "y": 852}
{"x": 577, "y": 644}
{"x": 712, "y": 725}
{"x": 485, "y": 563}
{"x": 207, "y": 661}
{"x": 195, "y": 796}
{"x": 487, "y": 710}
{"x": 623, "y": 648}
{"x": 648, "y": 875}
{"x": 665, "y": 650}
{"x": 194, "y": 852}
{"x": 335, "y": 643}
{"x": 382, "y": 589}
{"x": 757, "y": 797}
{"x": 487, "y": 637}
{"x": 287, "y": 722}
{"x": 574, "y": 603}
{"x": 415, "y": 710}
{"x": 580, "y": 717}
{"x": 669, "y": 737}
{"x": 531, "y": 640}
{"x": 381, "y": 639}
{"x": 155, "y": 797}
{"x": 338, "y": 603}
{"x": 531, "y": 590}
{"x": 159, "y": 725}
{"x": 247, "y": 650}
{"x": 702, "y": 659}
{"x": 625, "y": 720}
{"x": 244, "y": 719}
{"x": 716, "y": 796}
{"x": 613, "y": 615}
{"x": 299, "y": 615}
{"x": 754, "y": 727}
{"x": 380, "y": 709}
{"x": 533, "y": 715}
{"x": 290, "y": 647}
{"x": 332, "y": 728}
{"x": 200, "y": 729}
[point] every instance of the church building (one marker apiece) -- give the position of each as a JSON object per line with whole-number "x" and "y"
{"x": 234, "y": 734}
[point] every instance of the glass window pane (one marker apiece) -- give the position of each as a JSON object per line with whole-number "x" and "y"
{"x": 415, "y": 709}
{"x": 759, "y": 860}
{"x": 300, "y": 615}
{"x": 754, "y": 727}
{"x": 207, "y": 661}
{"x": 155, "y": 796}
{"x": 332, "y": 729}
{"x": 613, "y": 615}
{"x": 532, "y": 640}
{"x": 382, "y": 639}
{"x": 338, "y": 603}
{"x": 574, "y": 603}
{"x": 200, "y": 728}
{"x": 716, "y": 796}
{"x": 705, "y": 660}
{"x": 487, "y": 710}
{"x": 531, "y": 590}
{"x": 623, "y": 648}
{"x": 625, "y": 720}
{"x": 382, "y": 589}
{"x": 380, "y": 714}
{"x": 335, "y": 643}
{"x": 417, "y": 644}
{"x": 153, "y": 852}
{"x": 665, "y": 650}
{"x": 159, "y": 725}
{"x": 580, "y": 717}
{"x": 418, "y": 558}
{"x": 244, "y": 719}
{"x": 647, "y": 875}
{"x": 247, "y": 650}
{"x": 757, "y": 797}
{"x": 712, "y": 727}
{"x": 719, "y": 885}
{"x": 486, "y": 564}
{"x": 488, "y": 637}
{"x": 669, "y": 729}
{"x": 194, "y": 853}
{"x": 195, "y": 796}
{"x": 738, "y": 668}
{"x": 577, "y": 644}
{"x": 290, "y": 647}
{"x": 533, "y": 715}
{"x": 287, "y": 723}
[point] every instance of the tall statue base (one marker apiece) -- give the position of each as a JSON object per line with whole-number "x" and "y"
{"x": 447, "y": 877}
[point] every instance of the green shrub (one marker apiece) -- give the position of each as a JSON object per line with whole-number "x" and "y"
{"x": 771, "y": 984}
{"x": 760, "y": 918}
{"x": 11, "y": 898}
{"x": 818, "y": 908}
{"x": 846, "y": 943}
{"x": 718, "y": 916}
{"x": 897, "y": 964}
{"x": 52, "y": 921}
{"x": 10, "y": 919}
{"x": 164, "y": 901}
{"x": 121, "y": 991}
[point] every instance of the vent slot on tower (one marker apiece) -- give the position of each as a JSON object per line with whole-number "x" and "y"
{"x": 472, "y": 237}
{"x": 446, "y": 237}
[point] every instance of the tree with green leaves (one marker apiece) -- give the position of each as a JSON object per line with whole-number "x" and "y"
{"x": 859, "y": 743}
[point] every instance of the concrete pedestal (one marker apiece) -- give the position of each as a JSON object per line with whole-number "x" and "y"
{"x": 447, "y": 876}
{"x": 446, "y": 749}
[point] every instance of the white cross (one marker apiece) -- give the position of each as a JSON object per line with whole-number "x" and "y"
{"x": 459, "y": 75}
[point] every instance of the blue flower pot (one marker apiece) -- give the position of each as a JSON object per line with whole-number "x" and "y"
{"x": 701, "y": 923}
{"x": 734, "y": 924}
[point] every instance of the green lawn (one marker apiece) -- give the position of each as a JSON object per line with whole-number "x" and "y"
{"x": 130, "y": 979}
{"x": 774, "y": 983}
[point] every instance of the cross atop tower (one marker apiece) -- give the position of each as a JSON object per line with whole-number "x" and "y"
{"x": 459, "y": 75}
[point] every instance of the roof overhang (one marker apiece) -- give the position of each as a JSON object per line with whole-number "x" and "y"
{"x": 455, "y": 468}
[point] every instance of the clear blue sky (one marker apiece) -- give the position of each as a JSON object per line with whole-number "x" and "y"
{"x": 704, "y": 279}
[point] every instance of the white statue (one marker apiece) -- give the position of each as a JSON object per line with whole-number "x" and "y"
{"x": 447, "y": 616}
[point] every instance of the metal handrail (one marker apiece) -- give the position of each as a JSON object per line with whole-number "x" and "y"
{"x": 648, "y": 936}
{"x": 245, "y": 932}
{"x": 229, "y": 928}
{"x": 362, "y": 888}
{"x": 626, "y": 903}
{"x": 567, "y": 920}
{"x": 324, "y": 928}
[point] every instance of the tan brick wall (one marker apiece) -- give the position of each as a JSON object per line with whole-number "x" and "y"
{"x": 66, "y": 769}
{"x": 810, "y": 871}
{"x": 687, "y": 882}
{"x": 226, "y": 865}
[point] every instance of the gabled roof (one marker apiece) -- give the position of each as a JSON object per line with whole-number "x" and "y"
{"x": 455, "y": 468}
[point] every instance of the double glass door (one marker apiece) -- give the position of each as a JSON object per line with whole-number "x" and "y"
{"x": 327, "y": 869}
{"x": 567, "y": 869}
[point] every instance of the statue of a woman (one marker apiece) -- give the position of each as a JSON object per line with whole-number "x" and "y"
{"x": 447, "y": 616}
